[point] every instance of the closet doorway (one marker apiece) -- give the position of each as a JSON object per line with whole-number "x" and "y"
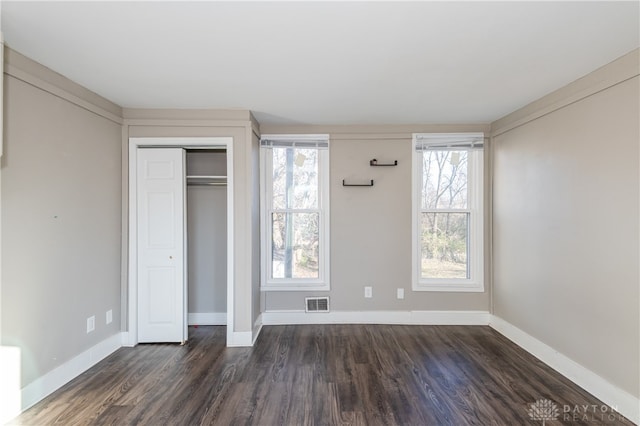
{"x": 206, "y": 236}
{"x": 168, "y": 177}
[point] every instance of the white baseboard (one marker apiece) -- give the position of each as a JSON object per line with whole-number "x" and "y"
{"x": 126, "y": 339}
{"x": 257, "y": 328}
{"x": 625, "y": 403}
{"x": 377, "y": 317}
{"x": 245, "y": 338}
{"x": 207, "y": 318}
{"x": 58, "y": 377}
{"x": 239, "y": 339}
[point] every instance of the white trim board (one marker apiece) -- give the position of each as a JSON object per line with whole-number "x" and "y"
{"x": 207, "y": 318}
{"x": 239, "y": 339}
{"x": 246, "y": 338}
{"x": 45, "y": 385}
{"x": 377, "y": 317}
{"x": 609, "y": 75}
{"x": 35, "y": 74}
{"x": 625, "y": 403}
{"x": 257, "y": 328}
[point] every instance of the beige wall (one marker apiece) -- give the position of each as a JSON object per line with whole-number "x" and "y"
{"x": 61, "y": 205}
{"x": 371, "y": 226}
{"x": 207, "y": 249}
{"x": 566, "y": 194}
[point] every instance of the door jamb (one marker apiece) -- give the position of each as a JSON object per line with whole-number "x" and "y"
{"x": 166, "y": 142}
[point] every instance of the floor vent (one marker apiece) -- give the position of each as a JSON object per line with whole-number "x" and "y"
{"x": 316, "y": 304}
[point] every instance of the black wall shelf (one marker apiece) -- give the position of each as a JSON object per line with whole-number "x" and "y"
{"x": 356, "y": 184}
{"x": 374, "y": 163}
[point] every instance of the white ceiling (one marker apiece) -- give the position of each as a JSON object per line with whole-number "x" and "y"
{"x": 325, "y": 62}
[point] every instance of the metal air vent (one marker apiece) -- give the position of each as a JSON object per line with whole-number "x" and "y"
{"x": 316, "y": 304}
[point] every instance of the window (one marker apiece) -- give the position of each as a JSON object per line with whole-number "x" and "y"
{"x": 295, "y": 212}
{"x": 448, "y": 212}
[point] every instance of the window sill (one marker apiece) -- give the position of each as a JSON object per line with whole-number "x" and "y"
{"x": 295, "y": 286}
{"x": 452, "y": 287}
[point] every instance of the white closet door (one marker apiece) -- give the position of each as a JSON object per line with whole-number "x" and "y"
{"x": 161, "y": 245}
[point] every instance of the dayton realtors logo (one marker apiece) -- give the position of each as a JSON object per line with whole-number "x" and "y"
{"x": 544, "y": 410}
{"x": 600, "y": 414}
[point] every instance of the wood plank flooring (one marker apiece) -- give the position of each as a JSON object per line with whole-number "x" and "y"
{"x": 321, "y": 375}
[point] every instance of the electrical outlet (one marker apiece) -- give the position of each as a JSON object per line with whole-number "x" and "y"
{"x": 109, "y": 316}
{"x": 91, "y": 323}
{"x": 400, "y": 293}
{"x": 368, "y": 292}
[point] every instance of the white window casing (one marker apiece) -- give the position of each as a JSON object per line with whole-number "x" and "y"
{"x": 467, "y": 275}
{"x": 290, "y": 274}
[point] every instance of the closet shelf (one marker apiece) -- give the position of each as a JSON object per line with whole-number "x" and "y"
{"x": 206, "y": 180}
{"x": 205, "y": 177}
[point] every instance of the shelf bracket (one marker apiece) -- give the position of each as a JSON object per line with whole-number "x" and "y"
{"x": 374, "y": 163}
{"x": 357, "y": 184}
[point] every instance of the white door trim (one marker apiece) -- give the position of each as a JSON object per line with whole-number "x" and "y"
{"x": 211, "y": 142}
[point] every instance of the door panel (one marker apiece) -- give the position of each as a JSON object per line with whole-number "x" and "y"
{"x": 160, "y": 295}
{"x": 161, "y": 245}
{"x": 161, "y": 232}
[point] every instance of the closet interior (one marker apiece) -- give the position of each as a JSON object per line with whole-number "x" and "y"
{"x": 207, "y": 236}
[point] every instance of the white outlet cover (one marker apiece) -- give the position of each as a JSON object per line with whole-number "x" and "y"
{"x": 91, "y": 324}
{"x": 109, "y": 316}
{"x": 400, "y": 293}
{"x": 368, "y": 292}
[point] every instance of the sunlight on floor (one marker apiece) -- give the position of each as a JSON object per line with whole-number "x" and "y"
{"x": 10, "y": 400}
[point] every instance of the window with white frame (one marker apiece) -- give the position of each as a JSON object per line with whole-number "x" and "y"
{"x": 295, "y": 212}
{"x": 448, "y": 212}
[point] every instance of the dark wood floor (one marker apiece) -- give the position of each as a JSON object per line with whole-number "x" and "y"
{"x": 320, "y": 375}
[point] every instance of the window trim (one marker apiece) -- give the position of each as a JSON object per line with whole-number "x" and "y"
{"x": 476, "y": 221}
{"x": 322, "y": 283}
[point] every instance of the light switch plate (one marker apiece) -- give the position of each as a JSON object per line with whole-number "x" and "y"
{"x": 91, "y": 323}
